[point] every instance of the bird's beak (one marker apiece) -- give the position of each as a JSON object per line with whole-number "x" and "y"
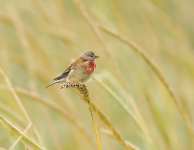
{"x": 96, "y": 56}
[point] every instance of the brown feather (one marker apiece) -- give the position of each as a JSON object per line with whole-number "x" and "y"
{"x": 70, "y": 67}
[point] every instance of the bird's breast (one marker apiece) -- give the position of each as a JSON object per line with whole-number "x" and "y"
{"x": 91, "y": 68}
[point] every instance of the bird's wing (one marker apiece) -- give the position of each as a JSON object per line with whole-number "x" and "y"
{"x": 70, "y": 67}
{"x": 64, "y": 74}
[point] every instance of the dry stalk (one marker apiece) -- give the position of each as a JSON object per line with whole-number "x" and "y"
{"x": 22, "y": 107}
{"x": 150, "y": 62}
{"x": 26, "y": 148}
{"x": 46, "y": 102}
{"x": 109, "y": 133}
{"x": 69, "y": 117}
{"x": 107, "y": 121}
{"x": 15, "y": 129}
{"x": 98, "y": 125}
{"x": 100, "y": 38}
{"x": 20, "y": 137}
{"x": 83, "y": 90}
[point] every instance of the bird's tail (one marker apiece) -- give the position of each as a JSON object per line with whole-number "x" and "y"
{"x": 52, "y": 83}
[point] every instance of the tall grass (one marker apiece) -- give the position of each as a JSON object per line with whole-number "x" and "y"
{"x": 143, "y": 82}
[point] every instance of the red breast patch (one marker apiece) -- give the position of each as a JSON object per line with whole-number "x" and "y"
{"x": 91, "y": 67}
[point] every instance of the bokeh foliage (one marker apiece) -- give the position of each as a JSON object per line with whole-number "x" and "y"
{"x": 39, "y": 39}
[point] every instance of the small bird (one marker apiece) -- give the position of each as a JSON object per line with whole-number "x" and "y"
{"x": 81, "y": 69}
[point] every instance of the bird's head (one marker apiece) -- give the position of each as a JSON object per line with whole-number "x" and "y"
{"x": 88, "y": 55}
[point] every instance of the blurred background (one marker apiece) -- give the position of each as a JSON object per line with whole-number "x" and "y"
{"x": 39, "y": 39}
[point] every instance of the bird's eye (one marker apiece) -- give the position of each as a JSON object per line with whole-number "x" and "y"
{"x": 91, "y": 55}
